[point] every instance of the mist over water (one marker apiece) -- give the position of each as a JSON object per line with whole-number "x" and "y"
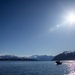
{"x": 36, "y": 68}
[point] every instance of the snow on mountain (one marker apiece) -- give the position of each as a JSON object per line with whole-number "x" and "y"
{"x": 42, "y": 57}
{"x": 15, "y": 58}
{"x": 67, "y": 52}
{"x": 33, "y": 57}
{"x": 66, "y": 55}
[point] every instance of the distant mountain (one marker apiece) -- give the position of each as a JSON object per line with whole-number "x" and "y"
{"x": 14, "y": 58}
{"x": 42, "y": 57}
{"x": 31, "y": 58}
{"x": 66, "y": 55}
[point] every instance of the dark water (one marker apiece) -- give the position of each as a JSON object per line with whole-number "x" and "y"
{"x": 36, "y": 68}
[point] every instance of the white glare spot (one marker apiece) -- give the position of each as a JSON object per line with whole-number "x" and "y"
{"x": 57, "y": 26}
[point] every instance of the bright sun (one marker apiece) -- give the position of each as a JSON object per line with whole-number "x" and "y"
{"x": 71, "y": 18}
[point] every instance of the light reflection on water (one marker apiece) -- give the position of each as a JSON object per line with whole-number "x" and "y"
{"x": 70, "y": 67}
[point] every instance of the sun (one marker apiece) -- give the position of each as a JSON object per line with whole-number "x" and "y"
{"x": 71, "y": 18}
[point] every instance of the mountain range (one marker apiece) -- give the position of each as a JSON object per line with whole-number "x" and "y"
{"x": 66, "y": 55}
{"x": 14, "y": 58}
{"x": 30, "y": 58}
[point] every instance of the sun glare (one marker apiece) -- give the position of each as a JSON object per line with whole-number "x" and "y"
{"x": 71, "y": 18}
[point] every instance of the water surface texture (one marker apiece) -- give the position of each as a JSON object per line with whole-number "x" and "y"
{"x": 36, "y": 68}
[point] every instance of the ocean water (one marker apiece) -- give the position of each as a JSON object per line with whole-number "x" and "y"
{"x": 36, "y": 68}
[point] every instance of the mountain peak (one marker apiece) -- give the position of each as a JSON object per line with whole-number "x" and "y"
{"x": 68, "y": 52}
{"x": 66, "y": 55}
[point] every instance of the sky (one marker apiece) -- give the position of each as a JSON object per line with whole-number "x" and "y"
{"x": 35, "y": 27}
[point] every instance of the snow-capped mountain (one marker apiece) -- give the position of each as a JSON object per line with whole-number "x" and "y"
{"x": 31, "y": 58}
{"x": 66, "y": 55}
{"x": 67, "y": 52}
{"x": 15, "y": 58}
{"x": 42, "y": 57}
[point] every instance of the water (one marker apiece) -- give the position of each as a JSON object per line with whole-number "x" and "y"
{"x": 36, "y": 68}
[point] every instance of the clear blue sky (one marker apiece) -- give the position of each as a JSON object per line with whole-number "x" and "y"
{"x": 25, "y": 27}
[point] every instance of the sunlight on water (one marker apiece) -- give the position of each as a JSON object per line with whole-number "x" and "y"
{"x": 70, "y": 67}
{"x": 72, "y": 73}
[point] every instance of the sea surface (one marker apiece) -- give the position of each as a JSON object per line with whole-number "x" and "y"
{"x": 36, "y": 68}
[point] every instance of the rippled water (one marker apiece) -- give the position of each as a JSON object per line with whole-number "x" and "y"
{"x": 36, "y": 68}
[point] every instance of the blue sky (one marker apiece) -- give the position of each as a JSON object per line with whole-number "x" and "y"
{"x": 25, "y": 27}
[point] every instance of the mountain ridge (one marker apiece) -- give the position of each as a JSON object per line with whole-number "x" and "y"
{"x": 24, "y": 58}
{"x": 66, "y": 55}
